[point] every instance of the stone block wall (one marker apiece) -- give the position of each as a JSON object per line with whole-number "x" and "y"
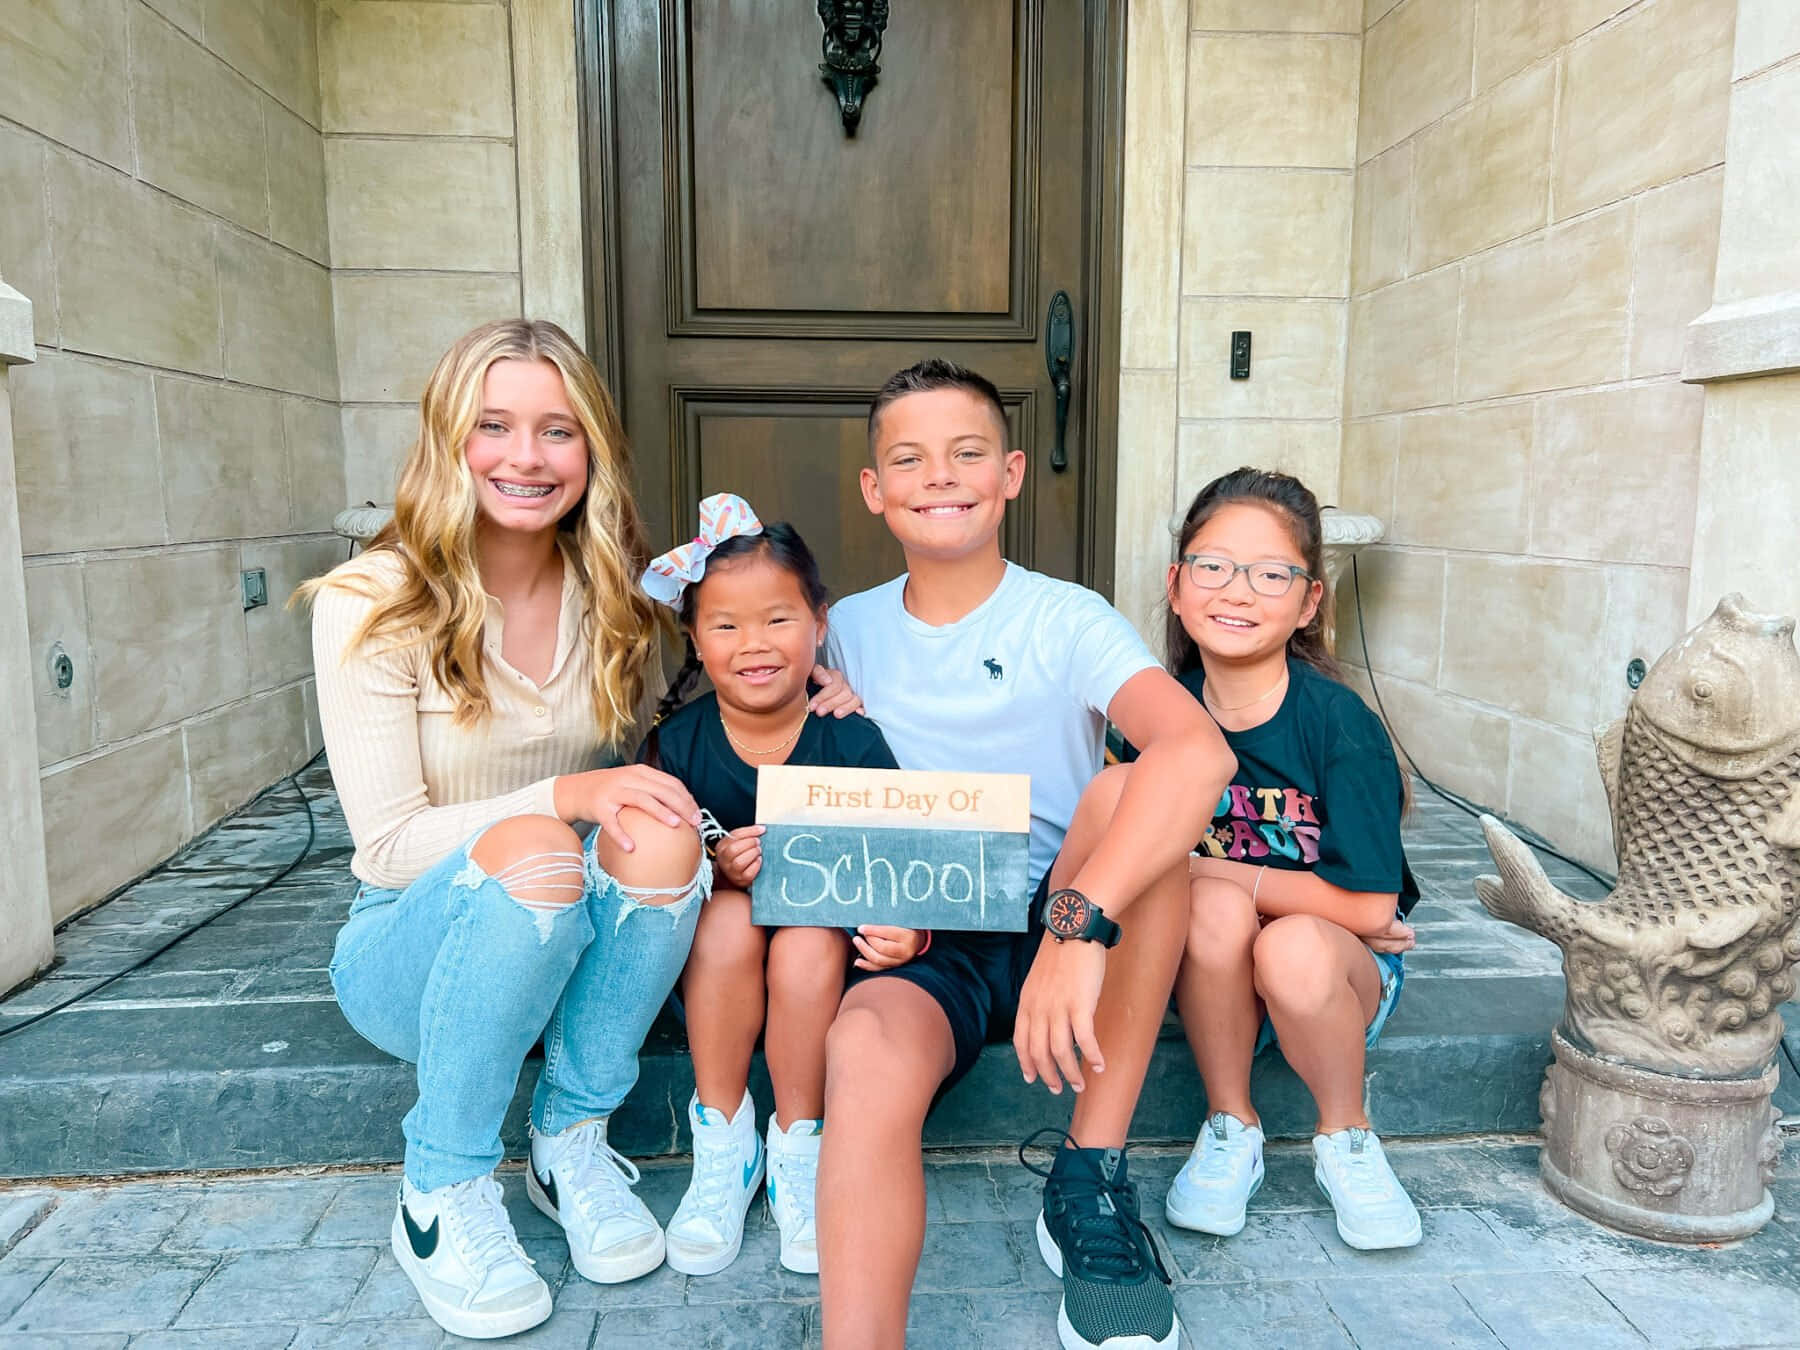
{"x": 1537, "y": 207}
{"x": 162, "y": 203}
{"x": 1240, "y": 154}
{"x": 422, "y": 193}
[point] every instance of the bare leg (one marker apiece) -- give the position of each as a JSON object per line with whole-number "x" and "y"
{"x": 1216, "y": 994}
{"x": 887, "y": 1052}
{"x": 1139, "y": 973}
{"x": 723, "y": 995}
{"x": 805, "y": 982}
{"x": 1322, "y": 988}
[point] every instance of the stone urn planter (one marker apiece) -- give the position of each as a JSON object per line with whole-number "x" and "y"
{"x": 1657, "y": 1114}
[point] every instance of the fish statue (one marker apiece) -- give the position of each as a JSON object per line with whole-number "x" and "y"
{"x": 1683, "y": 967}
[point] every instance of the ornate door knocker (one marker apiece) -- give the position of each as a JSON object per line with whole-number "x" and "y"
{"x": 852, "y": 49}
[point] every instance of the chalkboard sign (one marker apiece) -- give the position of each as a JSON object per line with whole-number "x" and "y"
{"x": 844, "y": 847}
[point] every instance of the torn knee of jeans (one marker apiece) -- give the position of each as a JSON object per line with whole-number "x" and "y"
{"x": 674, "y": 901}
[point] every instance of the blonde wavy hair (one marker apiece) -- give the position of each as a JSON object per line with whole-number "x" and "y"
{"x": 440, "y": 602}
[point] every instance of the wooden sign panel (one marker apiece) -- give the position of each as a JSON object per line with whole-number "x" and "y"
{"x": 844, "y": 847}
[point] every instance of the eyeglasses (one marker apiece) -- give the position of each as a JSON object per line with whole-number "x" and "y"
{"x": 1266, "y": 578}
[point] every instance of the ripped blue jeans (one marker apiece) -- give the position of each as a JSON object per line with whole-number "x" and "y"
{"x": 457, "y": 976}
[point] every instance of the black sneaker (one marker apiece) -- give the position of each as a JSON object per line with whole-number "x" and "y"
{"x": 1115, "y": 1286}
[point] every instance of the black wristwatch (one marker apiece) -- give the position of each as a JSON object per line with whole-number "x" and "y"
{"x": 1070, "y": 914}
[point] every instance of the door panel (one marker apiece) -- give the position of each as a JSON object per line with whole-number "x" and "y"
{"x": 761, "y": 272}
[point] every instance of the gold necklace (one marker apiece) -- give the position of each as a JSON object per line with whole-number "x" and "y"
{"x": 773, "y": 749}
{"x": 1239, "y": 707}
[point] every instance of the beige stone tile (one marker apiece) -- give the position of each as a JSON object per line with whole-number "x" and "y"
{"x": 1617, "y": 474}
{"x": 25, "y": 260}
{"x": 1459, "y": 745}
{"x": 85, "y": 456}
{"x": 1307, "y": 450}
{"x": 1511, "y": 34}
{"x": 184, "y": 14}
{"x": 1525, "y": 635}
{"x": 296, "y": 183}
{"x": 1403, "y": 607}
{"x": 1366, "y": 473}
{"x": 277, "y": 314}
{"x": 112, "y": 818}
{"x": 135, "y": 274}
{"x": 57, "y": 615}
{"x": 1643, "y": 102}
{"x": 1645, "y": 616}
{"x": 224, "y": 461}
{"x": 168, "y": 637}
{"x": 315, "y": 733}
{"x": 1373, "y": 10}
{"x": 1383, "y": 219}
{"x": 1672, "y": 260}
{"x": 261, "y": 38}
{"x": 1267, "y": 232}
{"x": 1146, "y": 495}
{"x": 1484, "y": 171}
{"x": 238, "y": 751}
{"x": 376, "y": 441}
{"x": 280, "y": 638}
{"x": 63, "y": 72}
{"x": 1464, "y": 478}
{"x": 440, "y": 204}
{"x": 199, "y": 124}
{"x": 1768, "y": 31}
{"x": 1296, "y": 358}
{"x": 1416, "y": 68}
{"x": 1150, "y": 276}
{"x": 314, "y": 433}
{"x": 307, "y": 59}
{"x": 1758, "y": 254}
{"x": 1746, "y": 543}
{"x": 1403, "y": 345}
{"x": 1555, "y": 789}
{"x": 424, "y": 69}
{"x": 391, "y": 330}
{"x": 1295, "y": 16}
{"x": 1549, "y": 312}
{"x": 1273, "y": 100}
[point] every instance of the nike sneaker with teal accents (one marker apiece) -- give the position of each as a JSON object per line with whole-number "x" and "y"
{"x": 456, "y": 1244}
{"x": 707, "y": 1231}
{"x": 793, "y": 1178}
{"x": 583, "y": 1183}
{"x": 1212, "y": 1191}
{"x": 1115, "y": 1287}
{"x": 1374, "y": 1212}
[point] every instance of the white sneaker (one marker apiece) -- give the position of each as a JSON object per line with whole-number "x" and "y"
{"x": 1374, "y": 1212}
{"x": 708, "y": 1228}
{"x": 457, "y": 1246}
{"x": 793, "y": 1175}
{"x": 1214, "y": 1186}
{"x": 583, "y": 1183}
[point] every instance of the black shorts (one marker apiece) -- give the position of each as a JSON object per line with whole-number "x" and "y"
{"x": 975, "y": 978}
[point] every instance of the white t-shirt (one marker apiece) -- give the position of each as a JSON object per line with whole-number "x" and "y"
{"x": 1021, "y": 684}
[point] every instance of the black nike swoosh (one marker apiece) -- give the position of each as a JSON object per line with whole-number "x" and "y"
{"x": 548, "y": 1184}
{"x": 424, "y": 1243}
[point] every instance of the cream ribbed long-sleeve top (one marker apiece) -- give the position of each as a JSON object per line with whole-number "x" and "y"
{"x": 413, "y": 786}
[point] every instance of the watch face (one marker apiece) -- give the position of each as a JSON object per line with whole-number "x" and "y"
{"x": 1067, "y": 914}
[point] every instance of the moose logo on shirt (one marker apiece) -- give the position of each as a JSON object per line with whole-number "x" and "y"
{"x": 994, "y": 669}
{"x": 1255, "y": 822}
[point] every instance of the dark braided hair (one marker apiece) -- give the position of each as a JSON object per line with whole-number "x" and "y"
{"x": 782, "y": 545}
{"x": 1293, "y": 503}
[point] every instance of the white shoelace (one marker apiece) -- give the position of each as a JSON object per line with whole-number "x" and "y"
{"x": 600, "y": 1178}
{"x": 479, "y": 1227}
{"x": 716, "y": 1172}
{"x": 1361, "y": 1168}
{"x": 797, "y": 1173}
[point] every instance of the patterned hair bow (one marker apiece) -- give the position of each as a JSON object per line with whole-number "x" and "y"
{"x": 722, "y": 516}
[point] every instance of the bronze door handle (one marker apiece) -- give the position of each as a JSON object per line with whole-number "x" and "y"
{"x": 1059, "y": 359}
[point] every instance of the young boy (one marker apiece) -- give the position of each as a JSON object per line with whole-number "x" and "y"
{"x": 970, "y": 662}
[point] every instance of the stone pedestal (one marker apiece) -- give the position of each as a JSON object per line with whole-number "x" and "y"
{"x": 1678, "y": 1159}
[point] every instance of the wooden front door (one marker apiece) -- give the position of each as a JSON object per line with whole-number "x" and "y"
{"x": 759, "y": 271}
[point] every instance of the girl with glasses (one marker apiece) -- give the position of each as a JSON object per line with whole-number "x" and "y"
{"x": 1299, "y": 890}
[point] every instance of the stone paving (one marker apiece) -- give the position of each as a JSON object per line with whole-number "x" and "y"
{"x": 284, "y": 1261}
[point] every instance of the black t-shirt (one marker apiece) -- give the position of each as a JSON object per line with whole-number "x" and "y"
{"x": 1317, "y": 789}
{"x": 691, "y": 745}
